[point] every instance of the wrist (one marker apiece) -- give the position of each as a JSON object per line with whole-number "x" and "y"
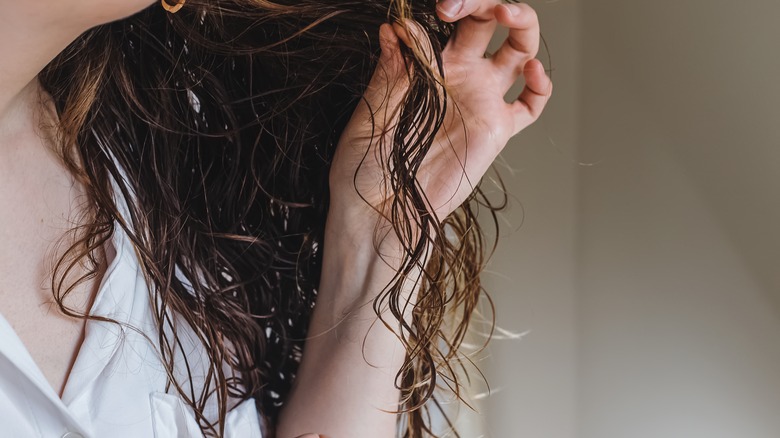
{"x": 355, "y": 222}
{"x": 362, "y": 257}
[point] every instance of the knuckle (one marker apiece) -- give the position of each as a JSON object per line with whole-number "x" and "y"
{"x": 519, "y": 67}
{"x": 533, "y": 50}
{"x": 515, "y": 43}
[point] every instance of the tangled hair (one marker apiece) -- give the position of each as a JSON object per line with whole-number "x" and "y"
{"x": 220, "y": 123}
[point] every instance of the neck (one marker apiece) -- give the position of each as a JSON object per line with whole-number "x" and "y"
{"x": 27, "y": 44}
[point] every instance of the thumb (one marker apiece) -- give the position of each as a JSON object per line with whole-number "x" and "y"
{"x": 387, "y": 88}
{"x": 376, "y": 114}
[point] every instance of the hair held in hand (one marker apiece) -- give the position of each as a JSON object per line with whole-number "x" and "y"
{"x": 219, "y": 124}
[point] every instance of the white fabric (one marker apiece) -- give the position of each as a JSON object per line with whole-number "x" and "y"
{"x": 117, "y": 387}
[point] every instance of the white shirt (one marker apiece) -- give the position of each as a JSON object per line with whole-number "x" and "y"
{"x": 117, "y": 385}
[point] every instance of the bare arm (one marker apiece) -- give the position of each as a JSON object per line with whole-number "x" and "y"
{"x": 346, "y": 384}
{"x": 339, "y": 392}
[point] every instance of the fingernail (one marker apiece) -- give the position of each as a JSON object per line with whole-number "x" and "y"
{"x": 450, "y": 8}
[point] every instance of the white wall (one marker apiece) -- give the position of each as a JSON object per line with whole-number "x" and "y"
{"x": 678, "y": 238}
{"x": 649, "y": 280}
{"x": 531, "y": 277}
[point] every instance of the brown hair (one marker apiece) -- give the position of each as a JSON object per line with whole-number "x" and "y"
{"x": 223, "y": 119}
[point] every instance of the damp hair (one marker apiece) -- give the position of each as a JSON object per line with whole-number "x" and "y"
{"x": 219, "y": 123}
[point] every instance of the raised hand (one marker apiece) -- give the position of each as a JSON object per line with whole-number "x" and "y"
{"x": 350, "y": 361}
{"x": 479, "y": 122}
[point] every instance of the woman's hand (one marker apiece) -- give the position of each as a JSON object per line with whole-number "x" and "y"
{"x": 478, "y": 123}
{"x": 346, "y": 383}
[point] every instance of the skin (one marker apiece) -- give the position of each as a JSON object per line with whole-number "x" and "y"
{"x": 348, "y": 383}
{"x": 31, "y": 34}
{"x": 343, "y": 389}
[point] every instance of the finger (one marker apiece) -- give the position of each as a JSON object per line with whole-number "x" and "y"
{"x": 475, "y": 28}
{"x": 521, "y": 44}
{"x": 414, "y": 37}
{"x": 538, "y": 89}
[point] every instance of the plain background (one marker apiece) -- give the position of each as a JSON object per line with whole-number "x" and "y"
{"x": 641, "y": 249}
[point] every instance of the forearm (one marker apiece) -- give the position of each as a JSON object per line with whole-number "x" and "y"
{"x": 345, "y": 386}
{"x": 347, "y": 377}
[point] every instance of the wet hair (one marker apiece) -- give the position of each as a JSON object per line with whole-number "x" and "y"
{"x": 220, "y": 123}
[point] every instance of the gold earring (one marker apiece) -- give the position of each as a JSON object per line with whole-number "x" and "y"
{"x": 172, "y": 8}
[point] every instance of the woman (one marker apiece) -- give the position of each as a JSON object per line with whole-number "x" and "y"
{"x": 214, "y": 167}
